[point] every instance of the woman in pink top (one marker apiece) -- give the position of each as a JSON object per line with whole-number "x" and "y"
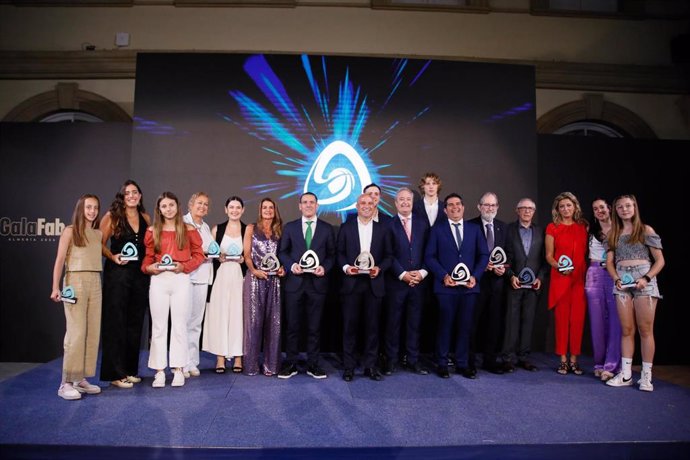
{"x": 173, "y": 250}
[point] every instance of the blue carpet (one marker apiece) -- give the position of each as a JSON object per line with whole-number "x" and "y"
{"x": 519, "y": 415}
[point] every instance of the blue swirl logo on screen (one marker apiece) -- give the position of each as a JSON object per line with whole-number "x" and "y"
{"x": 319, "y": 144}
{"x": 338, "y": 176}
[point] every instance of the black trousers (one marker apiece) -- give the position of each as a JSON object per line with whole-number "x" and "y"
{"x": 306, "y": 301}
{"x": 361, "y": 303}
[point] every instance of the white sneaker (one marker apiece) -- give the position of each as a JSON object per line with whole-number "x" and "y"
{"x": 645, "y": 382}
{"x": 85, "y": 387}
{"x": 619, "y": 381}
{"x": 122, "y": 383}
{"x": 194, "y": 371}
{"x": 178, "y": 378}
{"x": 159, "y": 380}
{"x": 133, "y": 379}
{"x": 67, "y": 391}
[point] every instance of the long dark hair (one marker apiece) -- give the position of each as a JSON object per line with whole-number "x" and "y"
{"x": 117, "y": 209}
{"x": 595, "y": 228}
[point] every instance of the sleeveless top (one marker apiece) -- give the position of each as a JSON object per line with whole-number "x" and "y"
{"x": 129, "y": 236}
{"x": 87, "y": 258}
{"x": 636, "y": 251}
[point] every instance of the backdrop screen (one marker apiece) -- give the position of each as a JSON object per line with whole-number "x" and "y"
{"x": 278, "y": 125}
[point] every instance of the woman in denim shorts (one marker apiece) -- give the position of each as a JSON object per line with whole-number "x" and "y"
{"x": 634, "y": 259}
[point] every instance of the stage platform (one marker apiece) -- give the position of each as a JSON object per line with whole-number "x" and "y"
{"x": 528, "y": 415}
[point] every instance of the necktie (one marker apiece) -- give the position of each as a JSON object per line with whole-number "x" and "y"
{"x": 406, "y": 226}
{"x": 308, "y": 234}
{"x": 490, "y": 236}
{"x": 458, "y": 236}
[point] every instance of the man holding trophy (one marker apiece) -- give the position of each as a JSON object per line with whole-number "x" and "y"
{"x": 362, "y": 255}
{"x": 488, "y": 317}
{"x": 526, "y": 270}
{"x": 307, "y": 251}
{"x": 457, "y": 255}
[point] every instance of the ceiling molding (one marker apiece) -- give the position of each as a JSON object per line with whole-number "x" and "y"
{"x": 121, "y": 64}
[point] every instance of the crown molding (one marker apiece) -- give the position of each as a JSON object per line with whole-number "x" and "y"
{"x": 121, "y": 64}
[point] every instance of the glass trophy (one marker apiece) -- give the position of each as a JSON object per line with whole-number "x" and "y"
{"x": 627, "y": 281}
{"x": 526, "y": 278}
{"x": 565, "y": 264}
{"x": 309, "y": 261}
{"x": 67, "y": 295}
{"x": 270, "y": 264}
{"x": 461, "y": 274}
{"x": 364, "y": 263}
{"x": 213, "y": 250}
{"x": 498, "y": 257}
{"x": 166, "y": 263}
{"x": 233, "y": 253}
{"x": 129, "y": 252}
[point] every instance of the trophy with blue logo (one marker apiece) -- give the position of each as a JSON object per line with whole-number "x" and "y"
{"x": 213, "y": 250}
{"x": 129, "y": 252}
{"x": 270, "y": 264}
{"x": 67, "y": 295}
{"x": 565, "y": 264}
{"x": 526, "y": 278}
{"x": 627, "y": 281}
{"x": 233, "y": 253}
{"x": 166, "y": 263}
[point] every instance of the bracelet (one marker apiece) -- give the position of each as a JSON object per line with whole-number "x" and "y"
{"x": 649, "y": 280}
{"x": 616, "y": 280}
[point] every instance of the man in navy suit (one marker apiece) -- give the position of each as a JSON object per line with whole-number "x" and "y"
{"x": 406, "y": 239}
{"x": 487, "y": 324}
{"x": 525, "y": 249}
{"x": 451, "y": 242}
{"x": 305, "y": 291}
{"x": 362, "y": 292}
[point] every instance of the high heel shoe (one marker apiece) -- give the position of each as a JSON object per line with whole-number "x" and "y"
{"x": 563, "y": 368}
{"x": 575, "y": 368}
{"x": 237, "y": 367}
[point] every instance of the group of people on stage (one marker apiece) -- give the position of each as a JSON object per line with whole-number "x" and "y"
{"x": 483, "y": 276}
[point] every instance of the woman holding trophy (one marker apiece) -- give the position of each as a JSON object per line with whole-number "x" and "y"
{"x": 173, "y": 251}
{"x": 262, "y": 300}
{"x": 223, "y": 323}
{"x": 566, "y": 246}
{"x": 634, "y": 260}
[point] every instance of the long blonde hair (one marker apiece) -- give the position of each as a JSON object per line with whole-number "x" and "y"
{"x": 159, "y": 220}
{"x": 577, "y": 215}
{"x": 79, "y": 220}
{"x": 637, "y": 235}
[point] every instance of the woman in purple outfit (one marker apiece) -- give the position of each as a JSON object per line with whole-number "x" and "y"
{"x": 601, "y": 303}
{"x": 261, "y": 291}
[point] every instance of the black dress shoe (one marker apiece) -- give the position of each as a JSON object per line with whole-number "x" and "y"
{"x": 373, "y": 374}
{"x": 348, "y": 375}
{"x": 467, "y": 372}
{"x": 526, "y": 365}
{"x": 417, "y": 368}
{"x": 442, "y": 372}
{"x": 288, "y": 370}
{"x": 389, "y": 368}
{"x": 508, "y": 367}
{"x": 494, "y": 368}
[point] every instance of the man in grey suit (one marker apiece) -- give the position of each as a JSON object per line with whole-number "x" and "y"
{"x": 524, "y": 246}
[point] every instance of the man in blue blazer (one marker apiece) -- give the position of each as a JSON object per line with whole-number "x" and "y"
{"x": 305, "y": 291}
{"x": 406, "y": 239}
{"x": 451, "y": 242}
{"x": 362, "y": 292}
{"x": 487, "y": 324}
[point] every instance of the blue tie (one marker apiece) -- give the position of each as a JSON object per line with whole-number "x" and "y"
{"x": 490, "y": 236}
{"x": 458, "y": 237}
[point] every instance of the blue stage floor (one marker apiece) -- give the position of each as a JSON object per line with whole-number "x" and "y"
{"x": 519, "y": 415}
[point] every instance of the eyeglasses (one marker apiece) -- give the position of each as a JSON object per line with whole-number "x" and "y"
{"x": 526, "y": 208}
{"x": 489, "y": 205}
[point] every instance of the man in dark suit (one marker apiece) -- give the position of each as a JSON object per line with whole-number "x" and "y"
{"x": 430, "y": 205}
{"x": 525, "y": 249}
{"x": 305, "y": 291}
{"x": 487, "y": 323}
{"x": 406, "y": 239}
{"x": 452, "y": 241}
{"x": 362, "y": 290}
{"x": 374, "y": 191}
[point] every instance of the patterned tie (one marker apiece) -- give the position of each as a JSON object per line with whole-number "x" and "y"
{"x": 308, "y": 234}
{"x": 406, "y": 226}
{"x": 490, "y": 236}
{"x": 458, "y": 236}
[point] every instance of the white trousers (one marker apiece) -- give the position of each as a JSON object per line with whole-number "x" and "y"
{"x": 169, "y": 293}
{"x": 196, "y": 317}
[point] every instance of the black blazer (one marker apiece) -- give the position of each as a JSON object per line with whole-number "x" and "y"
{"x": 517, "y": 259}
{"x": 292, "y": 246}
{"x": 418, "y": 209}
{"x": 348, "y": 249}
